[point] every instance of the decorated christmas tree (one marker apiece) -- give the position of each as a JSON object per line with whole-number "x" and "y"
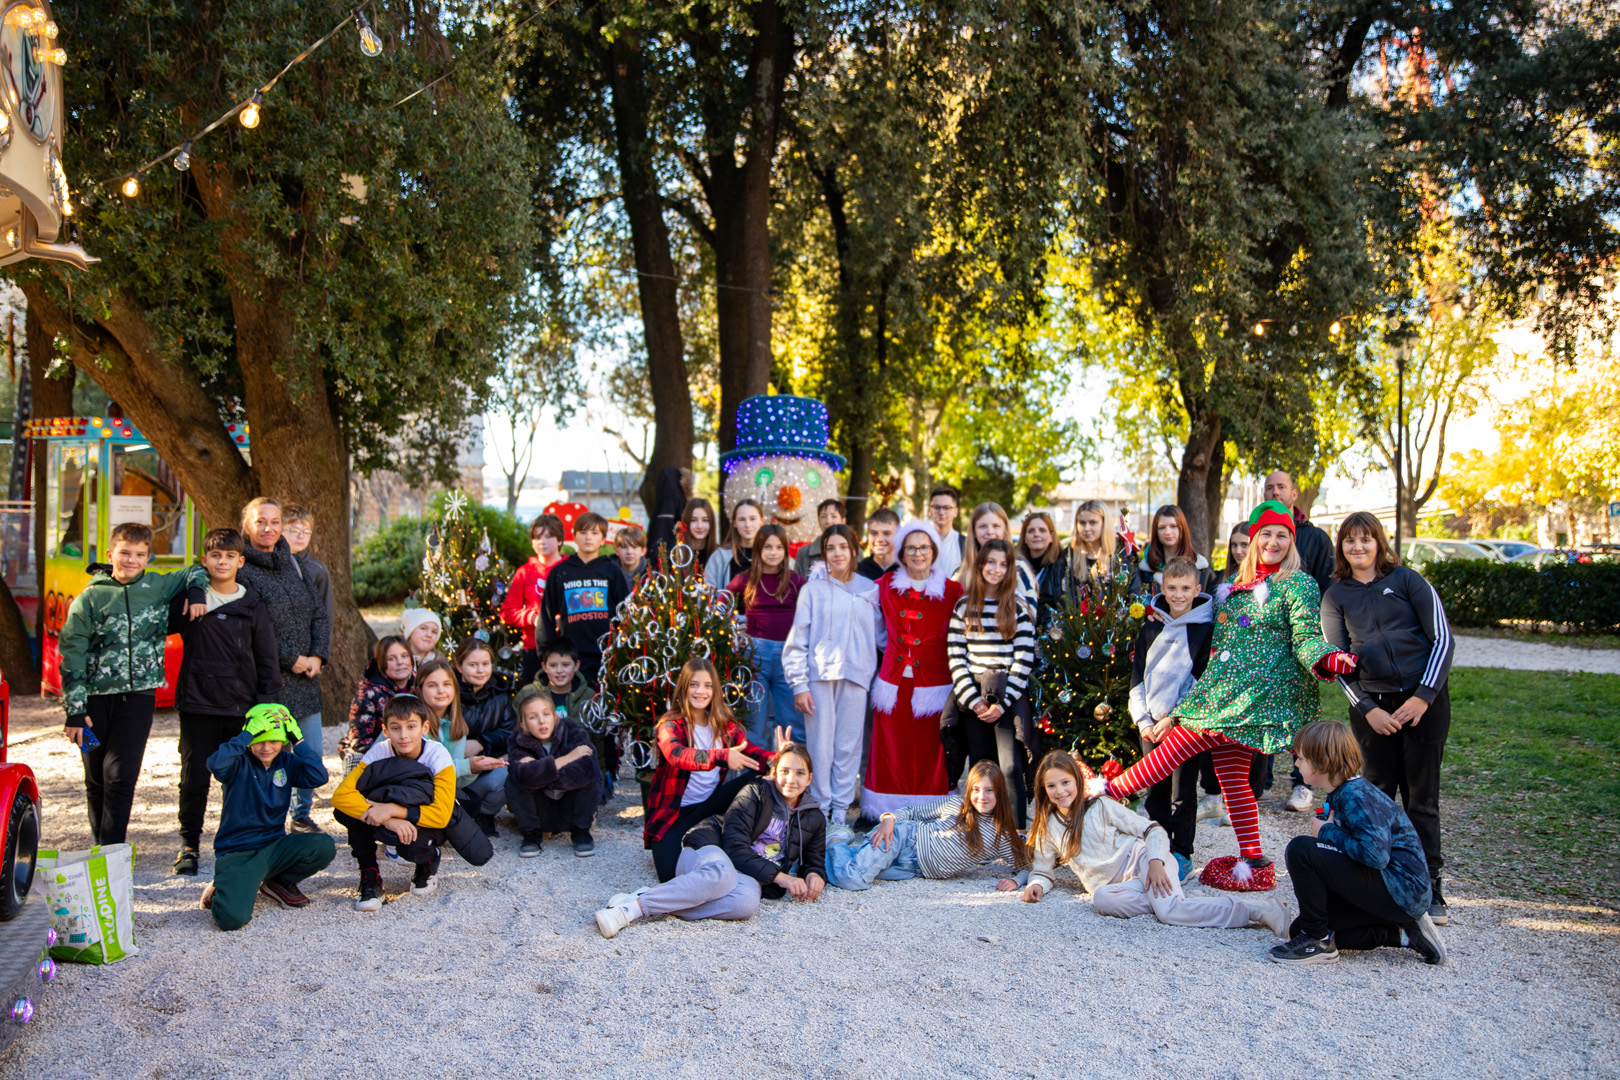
{"x": 463, "y": 582}
{"x": 1083, "y": 675}
{"x": 672, "y": 616}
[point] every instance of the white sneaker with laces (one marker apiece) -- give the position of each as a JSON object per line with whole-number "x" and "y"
{"x": 610, "y": 920}
{"x": 623, "y": 899}
{"x": 1300, "y": 799}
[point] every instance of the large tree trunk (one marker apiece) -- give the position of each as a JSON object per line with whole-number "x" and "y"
{"x": 655, "y": 278}
{"x": 16, "y": 658}
{"x": 740, "y": 204}
{"x": 1198, "y": 488}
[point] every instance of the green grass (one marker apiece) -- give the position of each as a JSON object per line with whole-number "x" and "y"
{"x": 1531, "y": 784}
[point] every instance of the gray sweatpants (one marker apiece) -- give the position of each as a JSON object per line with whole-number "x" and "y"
{"x": 705, "y": 886}
{"x": 1130, "y": 896}
{"x": 833, "y": 735}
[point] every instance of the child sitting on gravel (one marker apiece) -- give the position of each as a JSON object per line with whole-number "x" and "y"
{"x": 942, "y": 839}
{"x": 552, "y": 781}
{"x": 253, "y": 852}
{"x": 390, "y": 672}
{"x": 1361, "y": 878}
{"x": 770, "y": 842}
{"x": 403, "y": 794}
{"x": 1120, "y": 858}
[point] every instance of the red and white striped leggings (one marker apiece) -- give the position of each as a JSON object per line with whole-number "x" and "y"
{"x": 1231, "y": 769}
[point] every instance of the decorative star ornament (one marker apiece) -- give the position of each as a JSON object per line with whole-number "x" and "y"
{"x": 455, "y": 506}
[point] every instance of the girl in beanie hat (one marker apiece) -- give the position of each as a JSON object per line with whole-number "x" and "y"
{"x": 421, "y": 630}
{"x": 1255, "y": 693}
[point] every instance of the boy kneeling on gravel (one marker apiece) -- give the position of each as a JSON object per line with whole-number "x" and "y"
{"x": 253, "y": 852}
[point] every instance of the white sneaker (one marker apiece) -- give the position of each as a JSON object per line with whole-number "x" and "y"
{"x": 1209, "y": 807}
{"x": 1266, "y": 912}
{"x": 423, "y": 890}
{"x": 623, "y": 899}
{"x": 840, "y": 832}
{"x": 610, "y": 920}
{"x": 1300, "y": 800}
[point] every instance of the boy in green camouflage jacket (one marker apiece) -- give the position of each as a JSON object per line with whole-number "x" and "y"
{"x": 112, "y": 662}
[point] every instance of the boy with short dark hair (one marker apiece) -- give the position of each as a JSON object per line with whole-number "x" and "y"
{"x": 1170, "y": 654}
{"x": 253, "y": 852}
{"x": 880, "y": 558}
{"x": 230, "y": 664}
{"x": 112, "y": 663}
{"x": 582, "y": 593}
{"x": 828, "y": 512}
{"x": 552, "y": 779}
{"x": 631, "y": 549}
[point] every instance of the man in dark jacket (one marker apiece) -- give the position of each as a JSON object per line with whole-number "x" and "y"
{"x": 1315, "y": 549}
{"x": 229, "y": 666}
{"x": 552, "y": 779}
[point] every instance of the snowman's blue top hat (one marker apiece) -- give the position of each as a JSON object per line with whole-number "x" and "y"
{"x": 781, "y": 424}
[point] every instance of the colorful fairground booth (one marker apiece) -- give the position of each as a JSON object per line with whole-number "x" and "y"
{"x": 100, "y": 472}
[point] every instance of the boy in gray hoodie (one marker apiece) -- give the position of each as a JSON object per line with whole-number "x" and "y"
{"x": 1170, "y": 653}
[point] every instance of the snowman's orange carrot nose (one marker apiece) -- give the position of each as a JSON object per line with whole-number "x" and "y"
{"x": 789, "y": 497}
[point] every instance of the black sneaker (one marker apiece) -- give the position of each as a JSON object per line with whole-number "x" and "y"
{"x": 530, "y": 848}
{"x": 1426, "y": 941}
{"x": 1304, "y": 949}
{"x": 370, "y": 891}
{"x": 185, "y": 863}
{"x": 286, "y": 895}
{"x": 423, "y": 882}
{"x": 584, "y": 846}
{"x": 305, "y": 824}
{"x": 1437, "y": 905}
{"x": 486, "y": 822}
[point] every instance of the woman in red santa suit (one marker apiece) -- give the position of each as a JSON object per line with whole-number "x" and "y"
{"x": 907, "y": 764}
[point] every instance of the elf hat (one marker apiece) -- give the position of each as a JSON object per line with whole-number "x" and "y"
{"x": 1270, "y": 512}
{"x": 277, "y": 716}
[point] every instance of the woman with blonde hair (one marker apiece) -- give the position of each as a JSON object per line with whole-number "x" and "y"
{"x": 1092, "y": 542}
{"x": 990, "y": 522}
{"x": 1255, "y": 693}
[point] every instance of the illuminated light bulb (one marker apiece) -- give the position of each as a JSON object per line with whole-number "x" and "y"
{"x": 249, "y": 116}
{"x": 370, "y": 43}
{"x": 1336, "y": 329}
{"x": 182, "y": 160}
{"x": 1457, "y": 310}
{"x": 50, "y": 29}
{"x": 53, "y": 56}
{"x": 1259, "y": 329}
{"x": 11, "y": 238}
{"x": 131, "y": 187}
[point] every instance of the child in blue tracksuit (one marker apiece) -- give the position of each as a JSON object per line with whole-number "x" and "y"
{"x": 253, "y": 852}
{"x": 1360, "y": 877}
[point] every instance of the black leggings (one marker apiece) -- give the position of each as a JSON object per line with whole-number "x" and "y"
{"x": 1406, "y": 765}
{"x": 666, "y": 850}
{"x": 200, "y": 736}
{"x": 998, "y": 742}
{"x": 1342, "y": 897}
{"x": 121, "y": 723}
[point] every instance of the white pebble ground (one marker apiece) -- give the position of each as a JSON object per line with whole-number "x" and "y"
{"x": 501, "y": 973}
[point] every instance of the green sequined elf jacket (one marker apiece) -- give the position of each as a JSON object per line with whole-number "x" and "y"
{"x": 1258, "y": 688}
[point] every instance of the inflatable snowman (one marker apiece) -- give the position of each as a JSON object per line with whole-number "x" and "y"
{"x": 782, "y": 463}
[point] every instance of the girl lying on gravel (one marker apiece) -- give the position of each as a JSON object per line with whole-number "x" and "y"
{"x": 942, "y": 839}
{"x": 770, "y": 842}
{"x": 1119, "y": 857}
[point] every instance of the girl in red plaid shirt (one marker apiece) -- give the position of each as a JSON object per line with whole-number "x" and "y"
{"x": 704, "y": 758}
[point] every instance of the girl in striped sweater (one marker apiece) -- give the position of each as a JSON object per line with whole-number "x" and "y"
{"x": 991, "y": 646}
{"x": 942, "y": 839}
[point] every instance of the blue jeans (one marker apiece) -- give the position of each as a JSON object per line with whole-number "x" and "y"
{"x": 487, "y": 792}
{"x": 303, "y": 799}
{"x": 768, "y": 676}
{"x": 858, "y": 866}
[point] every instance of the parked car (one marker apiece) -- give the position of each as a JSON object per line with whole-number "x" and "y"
{"x": 1426, "y": 549}
{"x": 1536, "y": 556}
{"x": 1506, "y": 550}
{"x": 1542, "y": 556}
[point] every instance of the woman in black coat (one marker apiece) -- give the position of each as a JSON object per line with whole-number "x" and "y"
{"x": 1400, "y": 705}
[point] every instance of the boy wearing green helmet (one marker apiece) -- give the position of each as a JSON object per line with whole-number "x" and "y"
{"x": 253, "y": 852}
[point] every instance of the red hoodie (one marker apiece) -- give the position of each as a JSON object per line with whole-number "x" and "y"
{"x": 522, "y": 602}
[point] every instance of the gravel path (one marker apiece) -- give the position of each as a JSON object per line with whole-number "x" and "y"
{"x": 1533, "y": 656}
{"x": 502, "y": 973}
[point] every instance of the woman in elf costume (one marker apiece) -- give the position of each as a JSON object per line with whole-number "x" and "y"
{"x": 907, "y": 763}
{"x": 1255, "y": 693}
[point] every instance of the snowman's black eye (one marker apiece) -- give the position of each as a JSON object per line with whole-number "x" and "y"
{"x": 764, "y": 477}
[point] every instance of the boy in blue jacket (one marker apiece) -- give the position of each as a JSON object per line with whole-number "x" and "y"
{"x": 1360, "y": 877}
{"x": 253, "y": 852}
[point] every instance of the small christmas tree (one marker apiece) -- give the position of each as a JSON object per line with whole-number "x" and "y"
{"x": 673, "y": 616}
{"x": 463, "y": 583}
{"x": 1083, "y": 676}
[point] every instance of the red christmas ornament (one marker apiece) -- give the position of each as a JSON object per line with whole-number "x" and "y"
{"x": 1111, "y": 769}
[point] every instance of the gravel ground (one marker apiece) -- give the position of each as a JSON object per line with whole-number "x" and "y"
{"x": 502, "y": 972}
{"x": 1533, "y": 656}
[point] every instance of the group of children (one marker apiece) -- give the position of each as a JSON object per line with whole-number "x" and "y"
{"x": 437, "y": 747}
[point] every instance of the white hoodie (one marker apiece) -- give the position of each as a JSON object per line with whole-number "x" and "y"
{"x": 837, "y": 632}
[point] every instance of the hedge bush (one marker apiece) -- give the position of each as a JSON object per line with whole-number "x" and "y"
{"x": 388, "y": 564}
{"x": 1480, "y": 592}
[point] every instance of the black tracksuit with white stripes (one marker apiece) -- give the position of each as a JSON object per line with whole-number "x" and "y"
{"x": 1397, "y": 628}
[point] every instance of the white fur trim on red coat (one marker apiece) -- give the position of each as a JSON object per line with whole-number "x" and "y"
{"x": 885, "y": 695}
{"x": 930, "y": 700}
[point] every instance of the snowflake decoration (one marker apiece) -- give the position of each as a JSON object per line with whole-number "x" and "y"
{"x": 455, "y": 505}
